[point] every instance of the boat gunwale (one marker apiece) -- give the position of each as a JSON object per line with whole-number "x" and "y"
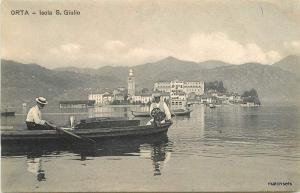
{"x": 96, "y": 132}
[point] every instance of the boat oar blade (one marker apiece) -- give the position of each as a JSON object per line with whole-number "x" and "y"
{"x": 71, "y": 133}
{"x": 88, "y": 139}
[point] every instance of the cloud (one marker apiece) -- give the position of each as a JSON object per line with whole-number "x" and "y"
{"x": 218, "y": 46}
{"x": 116, "y": 52}
{"x": 199, "y": 47}
{"x": 112, "y": 52}
{"x": 292, "y": 44}
{"x": 114, "y": 45}
{"x": 143, "y": 55}
{"x": 69, "y": 49}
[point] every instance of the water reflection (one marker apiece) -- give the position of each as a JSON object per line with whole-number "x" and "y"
{"x": 159, "y": 154}
{"x": 34, "y": 165}
{"x": 108, "y": 111}
{"x": 155, "y": 148}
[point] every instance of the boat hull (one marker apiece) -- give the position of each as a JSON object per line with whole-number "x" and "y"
{"x": 96, "y": 133}
{"x": 106, "y": 122}
{"x": 175, "y": 113}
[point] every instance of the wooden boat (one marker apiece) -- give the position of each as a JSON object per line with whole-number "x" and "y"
{"x": 140, "y": 114}
{"x": 7, "y": 113}
{"x": 177, "y": 112}
{"x": 94, "y": 133}
{"x": 182, "y": 112}
{"x": 106, "y": 122}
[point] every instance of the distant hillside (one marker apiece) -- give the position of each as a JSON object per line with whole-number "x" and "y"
{"x": 23, "y": 82}
{"x": 77, "y": 70}
{"x": 272, "y": 83}
{"x": 290, "y": 63}
{"x": 210, "y": 64}
{"x": 169, "y": 62}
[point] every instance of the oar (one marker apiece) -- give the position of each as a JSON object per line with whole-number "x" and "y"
{"x": 70, "y": 133}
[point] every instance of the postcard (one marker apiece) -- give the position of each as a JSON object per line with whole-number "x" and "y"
{"x": 150, "y": 96}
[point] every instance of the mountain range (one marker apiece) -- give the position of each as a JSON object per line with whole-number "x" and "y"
{"x": 23, "y": 82}
{"x": 290, "y": 63}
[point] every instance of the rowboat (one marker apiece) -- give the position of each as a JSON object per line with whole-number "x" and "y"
{"x": 93, "y": 133}
{"x": 182, "y": 112}
{"x": 140, "y": 114}
{"x": 177, "y": 112}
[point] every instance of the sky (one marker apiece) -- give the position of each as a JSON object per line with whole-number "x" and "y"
{"x": 132, "y": 32}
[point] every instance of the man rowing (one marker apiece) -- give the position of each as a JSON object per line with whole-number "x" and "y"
{"x": 34, "y": 119}
{"x": 162, "y": 106}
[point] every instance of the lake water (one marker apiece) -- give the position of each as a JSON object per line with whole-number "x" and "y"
{"x": 229, "y": 148}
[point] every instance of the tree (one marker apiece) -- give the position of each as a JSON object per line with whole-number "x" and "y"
{"x": 215, "y": 85}
{"x": 251, "y": 96}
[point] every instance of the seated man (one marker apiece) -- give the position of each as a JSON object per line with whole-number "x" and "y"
{"x": 162, "y": 106}
{"x": 34, "y": 117}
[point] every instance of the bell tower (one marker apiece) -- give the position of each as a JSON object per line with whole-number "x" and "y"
{"x": 131, "y": 83}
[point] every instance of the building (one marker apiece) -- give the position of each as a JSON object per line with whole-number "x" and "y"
{"x": 131, "y": 83}
{"x": 143, "y": 98}
{"x": 119, "y": 97}
{"x": 102, "y": 98}
{"x": 119, "y": 94}
{"x": 162, "y": 87}
{"x": 196, "y": 87}
{"x": 107, "y": 98}
{"x": 178, "y": 100}
{"x": 188, "y": 87}
{"x": 76, "y": 104}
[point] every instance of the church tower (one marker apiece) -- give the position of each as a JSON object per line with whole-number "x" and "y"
{"x": 131, "y": 83}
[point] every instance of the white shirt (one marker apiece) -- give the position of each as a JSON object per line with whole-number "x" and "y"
{"x": 35, "y": 115}
{"x": 163, "y": 107}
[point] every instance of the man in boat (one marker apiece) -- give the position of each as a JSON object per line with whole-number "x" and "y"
{"x": 162, "y": 106}
{"x": 34, "y": 117}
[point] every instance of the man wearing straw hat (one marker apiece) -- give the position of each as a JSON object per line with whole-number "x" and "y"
{"x": 157, "y": 103}
{"x": 34, "y": 117}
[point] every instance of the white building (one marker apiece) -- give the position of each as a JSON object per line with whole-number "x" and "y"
{"x": 96, "y": 97}
{"x": 142, "y": 98}
{"x": 188, "y": 87}
{"x": 178, "y": 100}
{"x": 162, "y": 86}
{"x": 103, "y": 98}
{"x": 196, "y": 87}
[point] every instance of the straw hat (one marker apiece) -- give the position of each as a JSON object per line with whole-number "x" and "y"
{"x": 41, "y": 100}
